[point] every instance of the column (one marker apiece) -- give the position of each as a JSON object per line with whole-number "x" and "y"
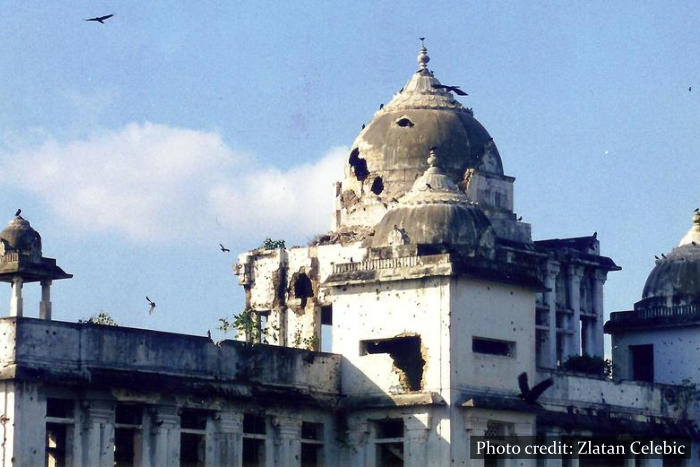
{"x": 227, "y": 439}
{"x": 574, "y": 285}
{"x": 550, "y": 299}
{"x": 597, "y": 334}
{"x": 16, "y": 297}
{"x": 288, "y": 441}
{"x": 98, "y": 448}
{"x": 45, "y": 304}
{"x": 165, "y": 430}
{"x": 475, "y": 426}
{"x": 416, "y": 429}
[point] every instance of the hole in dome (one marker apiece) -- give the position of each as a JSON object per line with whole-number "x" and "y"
{"x": 377, "y": 185}
{"x": 404, "y": 122}
{"x": 359, "y": 165}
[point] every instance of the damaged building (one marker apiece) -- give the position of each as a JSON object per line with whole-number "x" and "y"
{"x": 434, "y": 300}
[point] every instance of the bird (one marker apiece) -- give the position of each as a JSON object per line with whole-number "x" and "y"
{"x": 381, "y": 106}
{"x": 595, "y": 235}
{"x": 363, "y": 126}
{"x": 100, "y": 19}
{"x": 520, "y": 218}
{"x": 152, "y": 305}
{"x": 663, "y": 256}
{"x": 696, "y": 210}
{"x": 531, "y": 395}
{"x": 19, "y": 211}
{"x": 428, "y": 186}
{"x": 454, "y": 89}
{"x": 224, "y": 249}
{"x": 690, "y": 88}
{"x": 656, "y": 257}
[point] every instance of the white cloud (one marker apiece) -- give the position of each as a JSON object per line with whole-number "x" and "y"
{"x": 153, "y": 182}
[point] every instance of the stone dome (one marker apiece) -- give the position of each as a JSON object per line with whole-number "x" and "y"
{"x": 19, "y": 236}
{"x": 675, "y": 280}
{"x": 389, "y": 153}
{"x": 435, "y": 212}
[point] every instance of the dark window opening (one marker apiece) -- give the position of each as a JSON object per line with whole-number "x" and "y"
{"x": 311, "y": 444}
{"x": 389, "y": 442}
{"x": 55, "y": 445}
{"x": 377, "y": 185}
{"x": 404, "y": 122}
{"x": 327, "y": 315}
{"x": 326, "y": 328}
{"x": 493, "y": 347}
{"x": 407, "y": 355}
{"x": 253, "y": 424}
{"x": 192, "y": 450}
{"x": 303, "y": 288}
{"x": 59, "y": 408}
{"x": 642, "y": 362}
{"x": 359, "y": 165}
{"x": 253, "y": 452}
{"x": 193, "y": 419}
{"x": 126, "y": 446}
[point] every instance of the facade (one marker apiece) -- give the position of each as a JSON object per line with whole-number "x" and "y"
{"x": 435, "y": 300}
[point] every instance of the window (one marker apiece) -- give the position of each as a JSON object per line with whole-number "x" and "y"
{"x": 407, "y": 354}
{"x": 493, "y": 347}
{"x": 326, "y": 328}
{"x": 642, "y": 357}
{"x": 254, "y": 430}
{"x": 193, "y": 425}
{"x": 59, "y": 421}
{"x": 311, "y": 444}
{"x": 127, "y": 435}
{"x": 388, "y": 440}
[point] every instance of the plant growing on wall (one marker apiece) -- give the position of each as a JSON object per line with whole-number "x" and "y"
{"x": 587, "y": 364}
{"x": 102, "y": 318}
{"x": 270, "y": 244}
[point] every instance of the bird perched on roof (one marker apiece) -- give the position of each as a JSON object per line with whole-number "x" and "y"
{"x": 531, "y": 395}
{"x": 656, "y": 257}
{"x": 152, "y": 305}
{"x": 381, "y": 106}
{"x": 363, "y": 126}
{"x": 520, "y": 218}
{"x": 19, "y": 211}
{"x": 454, "y": 89}
{"x": 224, "y": 249}
{"x": 428, "y": 186}
{"x": 100, "y": 19}
{"x": 663, "y": 256}
{"x": 696, "y": 210}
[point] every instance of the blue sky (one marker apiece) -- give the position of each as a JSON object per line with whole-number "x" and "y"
{"x": 136, "y": 146}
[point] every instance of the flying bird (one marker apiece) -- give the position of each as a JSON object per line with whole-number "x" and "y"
{"x": 19, "y": 211}
{"x": 454, "y": 89}
{"x": 152, "y": 305}
{"x": 531, "y": 395}
{"x": 224, "y": 249}
{"x": 100, "y": 19}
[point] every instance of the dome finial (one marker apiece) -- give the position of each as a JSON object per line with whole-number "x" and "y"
{"x": 432, "y": 158}
{"x": 693, "y": 235}
{"x": 423, "y": 58}
{"x": 696, "y": 216}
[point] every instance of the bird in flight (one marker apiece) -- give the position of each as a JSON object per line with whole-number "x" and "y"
{"x": 100, "y": 19}
{"x": 224, "y": 249}
{"x": 19, "y": 211}
{"x": 531, "y": 395}
{"x": 152, "y": 305}
{"x": 454, "y": 89}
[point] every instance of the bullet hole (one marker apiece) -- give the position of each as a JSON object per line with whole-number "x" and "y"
{"x": 404, "y": 122}
{"x": 377, "y": 185}
{"x": 359, "y": 165}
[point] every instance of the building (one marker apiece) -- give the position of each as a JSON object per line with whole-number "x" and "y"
{"x": 435, "y": 298}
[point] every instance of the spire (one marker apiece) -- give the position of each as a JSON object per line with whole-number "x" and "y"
{"x": 423, "y": 58}
{"x": 693, "y": 235}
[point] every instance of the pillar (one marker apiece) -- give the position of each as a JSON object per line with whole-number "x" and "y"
{"x": 288, "y": 441}
{"x": 98, "y": 448}
{"x": 16, "y": 297}
{"x": 227, "y": 439}
{"x": 550, "y": 299}
{"x": 416, "y": 430}
{"x": 165, "y": 431}
{"x": 45, "y": 304}
{"x": 597, "y": 333}
{"x": 574, "y": 292}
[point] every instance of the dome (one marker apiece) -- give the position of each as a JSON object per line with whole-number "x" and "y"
{"x": 675, "y": 280}
{"x": 433, "y": 212}
{"x": 389, "y": 153}
{"x": 20, "y": 237}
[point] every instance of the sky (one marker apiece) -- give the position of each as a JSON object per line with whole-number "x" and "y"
{"x": 136, "y": 146}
